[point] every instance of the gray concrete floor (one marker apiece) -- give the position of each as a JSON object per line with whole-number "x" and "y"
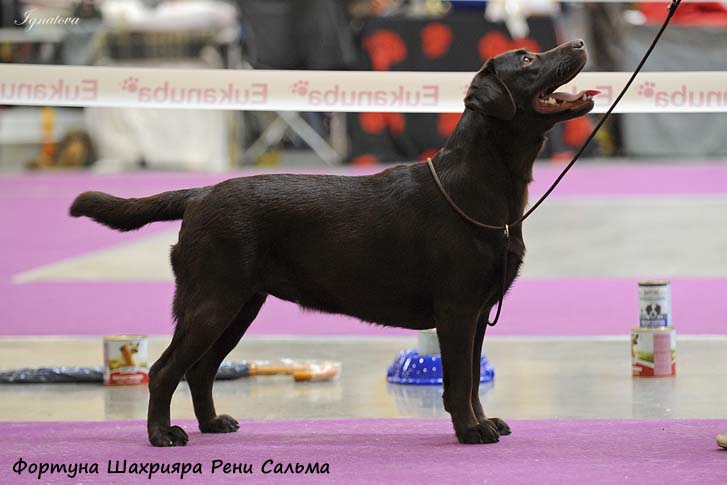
{"x": 535, "y": 378}
{"x": 627, "y": 236}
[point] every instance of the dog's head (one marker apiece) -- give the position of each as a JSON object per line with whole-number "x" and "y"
{"x": 131, "y": 348}
{"x": 653, "y": 311}
{"x": 521, "y": 84}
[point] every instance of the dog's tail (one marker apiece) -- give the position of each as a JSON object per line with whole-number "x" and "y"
{"x": 129, "y": 214}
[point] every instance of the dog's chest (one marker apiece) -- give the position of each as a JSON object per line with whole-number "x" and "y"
{"x": 516, "y": 244}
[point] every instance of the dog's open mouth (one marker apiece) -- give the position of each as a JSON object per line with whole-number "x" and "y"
{"x": 549, "y": 102}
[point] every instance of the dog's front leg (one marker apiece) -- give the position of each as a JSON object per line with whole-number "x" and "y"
{"x": 501, "y": 425}
{"x": 456, "y": 332}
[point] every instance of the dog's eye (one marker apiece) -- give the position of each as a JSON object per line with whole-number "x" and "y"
{"x": 527, "y": 60}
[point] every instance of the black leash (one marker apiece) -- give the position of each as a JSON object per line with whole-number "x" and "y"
{"x": 506, "y": 228}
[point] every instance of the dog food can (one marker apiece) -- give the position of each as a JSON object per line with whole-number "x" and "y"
{"x": 653, "y": 352}
{"x": 126, "y": 360}
{"x": 655, "y": 304}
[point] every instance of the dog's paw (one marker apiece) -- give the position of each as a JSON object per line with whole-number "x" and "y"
{"x": 171, "y": 436}
{"x": 220, "y": 424}
{"x": 481, "y": 433}
{"x": 501, "y": 426}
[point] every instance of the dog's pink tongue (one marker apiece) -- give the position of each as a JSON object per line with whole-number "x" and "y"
{"x": 569, "y": 98}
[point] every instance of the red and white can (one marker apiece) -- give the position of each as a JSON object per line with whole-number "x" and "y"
{"x": 653, "y": 352}
{"x": 126, "y": 360}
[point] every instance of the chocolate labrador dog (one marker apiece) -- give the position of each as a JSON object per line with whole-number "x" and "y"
{"x": 386, "y": 248}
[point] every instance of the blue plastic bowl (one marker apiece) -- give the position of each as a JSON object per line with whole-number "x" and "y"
{"x": 411, "y": 368}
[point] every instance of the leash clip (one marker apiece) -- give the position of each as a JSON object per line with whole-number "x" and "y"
{"x": 507, "y": 232}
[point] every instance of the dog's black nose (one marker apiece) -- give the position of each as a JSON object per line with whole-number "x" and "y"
{"x": 578, "y": 44}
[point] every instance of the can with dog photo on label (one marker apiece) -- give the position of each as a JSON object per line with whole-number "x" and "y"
{"x": 126, "y": 360}
{"x": 654, "y": 304}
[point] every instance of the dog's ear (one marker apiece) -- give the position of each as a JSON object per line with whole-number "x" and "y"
{"x": 489, "y": 95}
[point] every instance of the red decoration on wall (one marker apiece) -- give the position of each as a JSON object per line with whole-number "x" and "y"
{"x": 396, "y": 122}
{"x": 428, "y": 154}
{"x": 576, "y": 131}
{"x": 372, "y": 123}
{"x": 385, "y": 49}
{"x": 702, "y": 14}
{"x": 495, "y": 43}
{"x": 376, "y": 123}
{"x": 447, "y": 122}
{"x": 365, "y": 159}
{"x": 436, "y": 39}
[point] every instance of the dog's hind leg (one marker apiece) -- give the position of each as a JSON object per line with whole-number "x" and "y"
{"x": 201, "y": 375}
{"x": 456, "y": 331}
{"x": 501, "y": 425}
{"x": 202, "y": 319}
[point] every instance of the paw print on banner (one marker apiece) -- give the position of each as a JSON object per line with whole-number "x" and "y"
{"x": 300, "y": 88}
{"x": 130, "y": 84}
{"x": 647, "y": 89}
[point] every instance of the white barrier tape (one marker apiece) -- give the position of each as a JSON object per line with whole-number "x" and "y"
{"x": 355, "y": 91}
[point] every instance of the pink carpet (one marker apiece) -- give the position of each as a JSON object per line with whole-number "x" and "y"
{"x": 553, "y": 307}
{"x": 382, "y": 451}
